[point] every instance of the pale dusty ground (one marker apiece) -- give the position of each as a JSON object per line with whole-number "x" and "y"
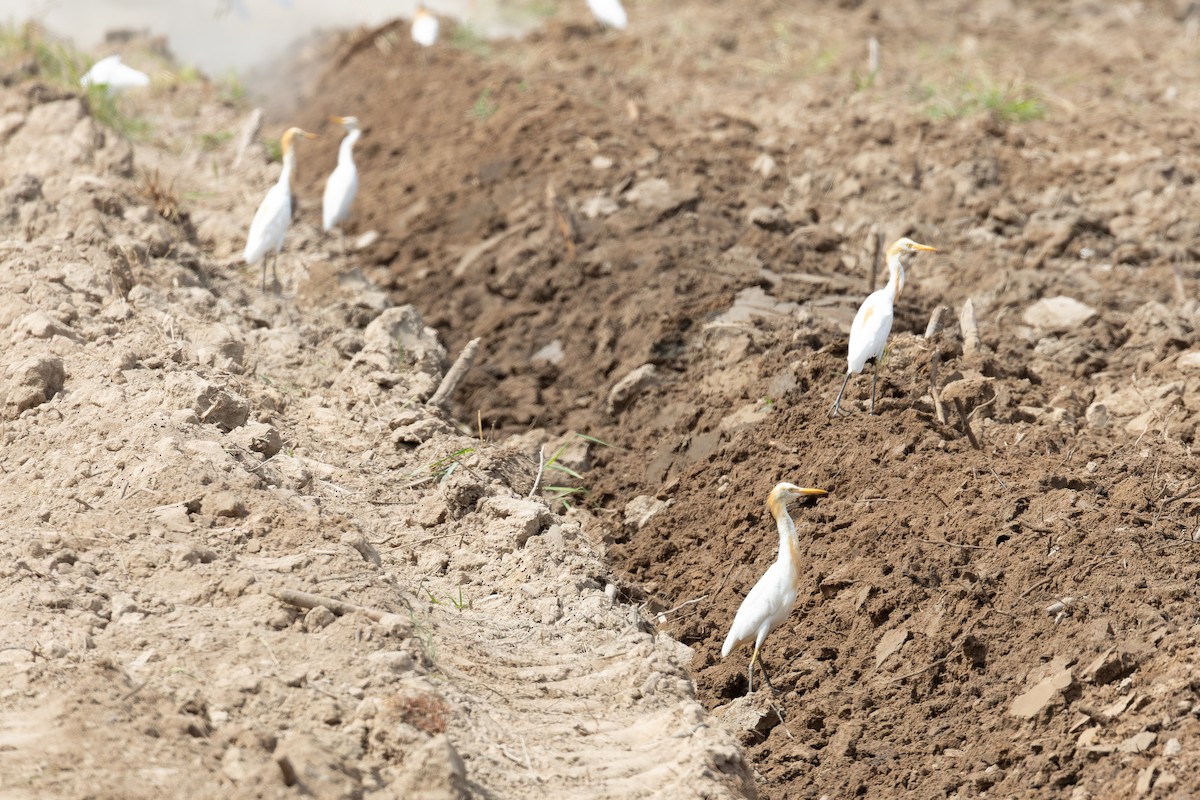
{"x": 178, "y": 447}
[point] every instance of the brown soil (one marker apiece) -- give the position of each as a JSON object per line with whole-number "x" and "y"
{"x": 716, "y": 160}
{"x": 660, "y": 238}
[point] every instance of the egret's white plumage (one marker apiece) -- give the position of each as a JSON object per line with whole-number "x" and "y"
{"x": 873, "y": 322}
{"x": 274, "y": 214}
{"x": 610, "y": 13}
{"x": 118, "y": 77}
{"x": 342, "y": 185}
{"x": 425, "y": 27}
{"x": 770, "y": 601}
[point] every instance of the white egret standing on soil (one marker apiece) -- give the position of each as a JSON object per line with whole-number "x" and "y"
{"x": 118, "y": 77}
{"x": 770, "y": 601}
{"x": 270, "y": 223}
{"x": 610, "y": 13}
{"x": 425, "y": 27}
{"x": 342, "y": 185}
{"x": 873, "y": 322}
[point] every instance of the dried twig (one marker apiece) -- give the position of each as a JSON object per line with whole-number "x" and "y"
{"x": 956, "y": 544}
{"x": 455, "y": 375}
{"x": 972, "y": 343}
{"x": 962, "y": 415}
{"x": 249, "y": 134}
{"x": 340, "y": 607}
{"x": 684, "y": 604}
{"x": 541, "y": 468}
{"x": 937, "y": 321}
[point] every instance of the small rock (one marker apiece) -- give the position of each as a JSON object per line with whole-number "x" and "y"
{"x": 318, "y": 618}
{"x": 1172, "y": 748}
{"x": 233, "y": 764}
{"x": 396, "y": 661}
{"x": 765, "y": 166}
{"x": 635, "y": 383}
{"x": 1097, "y": 415}
{"x": 601, "y": 162}
{"x": 1189, "y": 360}
{"x": 547, "y": 610}
{"x": 1138, "y": 743}
{"x": 658, "y": 196}
{"x": 599, "y": 206}
{"x": 303, "y": 761}
{"x": 1032, "y": 702}
{"x": 258, "y": 437}
{"x": 749, "y": 718}
{"x": 32, "y": 382}
{"x": 516, "y": 519}
{"x": 767, "y": 218}
{"x": 643, "y": 508}
{"x": 38, "y": 325}
{"x": 1145, "y": 779}
{"x": 223, "y": 504}
{"x": 366, "y": 240}
{"x": 1108, "y": 667}
{"x": 213, "y": 404}
{"x": 365, "y": 549}
{"x": 1058, "y": 314}
{"x": 551, "y": 353}
{"x": 433, "y": 771}
{"x": 891, "y": 642}
{"x": 219, "y": 346}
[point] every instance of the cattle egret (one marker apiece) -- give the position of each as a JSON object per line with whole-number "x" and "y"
{"x": 111, "y": 73}
{"x": 873, "y": 322}
{"x": 270, "y": 222}
{"x": 343, "y": 181}
{"x": 772, "y": 598}
{"x": 425, "y": 27}
{"x": 610, "y": 13}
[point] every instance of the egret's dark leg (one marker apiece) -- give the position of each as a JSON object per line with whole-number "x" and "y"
{"x": 274, "y": 272}
{"x": 874, "y": 378}
{"x": 264, "y": 274}
{"x": 838, "y": 403}
{"x": 342, "y": 234}
{"x": 750, "y": 685}
{"x": 762, "y": 667}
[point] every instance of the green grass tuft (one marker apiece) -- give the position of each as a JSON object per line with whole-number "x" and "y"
{"x": 1012, "y": 102}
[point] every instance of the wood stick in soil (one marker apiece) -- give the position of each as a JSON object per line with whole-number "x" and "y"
{"x": 441, "y": 398}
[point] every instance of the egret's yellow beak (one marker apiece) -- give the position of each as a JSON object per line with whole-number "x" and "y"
{"x": 811, "y": 492}
{"x": 924, "y": 247}
{"x": 308, "y": 135}
{"x": 338, "y": 120}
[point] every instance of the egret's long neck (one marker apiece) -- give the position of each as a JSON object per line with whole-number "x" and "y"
{"x": 788, "y": 543}
{"x": 347, "y": 145}
{"x": 289, "y": 167}
{"x": 895, "y": 284}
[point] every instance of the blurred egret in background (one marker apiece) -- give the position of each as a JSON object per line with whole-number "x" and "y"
{"x": 116, "y": 76}
{"x": 270, "y": 223}
{"x": 425, "y": 27}
{"x": 342, "y": 185}
{"x": 610, "y": 13}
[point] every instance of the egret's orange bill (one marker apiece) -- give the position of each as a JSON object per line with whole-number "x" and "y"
{"x": 812, "y": 492}
{"x": 924, "y": 247}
